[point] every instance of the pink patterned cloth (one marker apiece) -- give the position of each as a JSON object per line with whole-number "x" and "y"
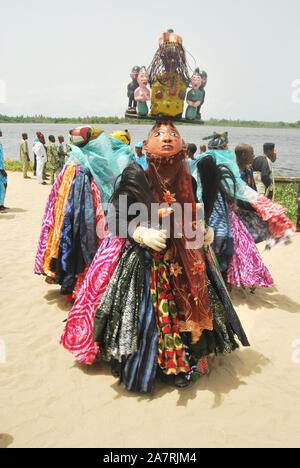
{"x": 272, "y": 212}
{"x": 246, "y": 267}
{"x": 78, "y": 333}
{"x": 99, "y": 215}
{"x": 47, "y": 224}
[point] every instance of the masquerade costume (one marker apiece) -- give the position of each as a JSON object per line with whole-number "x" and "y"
{"x": 151, "y": 312}
{"x": 73, "y": 226}
{"x": 262, "y": 219}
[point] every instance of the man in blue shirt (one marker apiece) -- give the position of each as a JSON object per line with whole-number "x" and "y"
{"x": 140, "y": 158}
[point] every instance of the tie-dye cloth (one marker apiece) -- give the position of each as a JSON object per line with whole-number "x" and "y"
{"x": 78, "y": 334}
{"x": 280, "y": 226}
{"x": 246, "y": 267}
{"x": 47, "y": 224}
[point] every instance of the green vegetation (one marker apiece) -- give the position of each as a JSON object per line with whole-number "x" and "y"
{"x": 117, "y": 120}
{"x": 17, "y": 166}
{"x": 71, "y": 120}
{"x": 250, "y": 123}
{"x": 286, "y": 195}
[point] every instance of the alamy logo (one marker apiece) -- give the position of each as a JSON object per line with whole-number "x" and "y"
{"x": 296, "y": 353}
{"x": 2, "y": 92}
{"x": 2, "y": 352}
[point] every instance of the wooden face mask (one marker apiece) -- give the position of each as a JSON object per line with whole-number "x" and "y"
{"x": 164, "y": 140}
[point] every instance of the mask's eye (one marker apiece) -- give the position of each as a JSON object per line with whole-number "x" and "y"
{"x": 173, "y": 134}
{"x": 156, "y": 134}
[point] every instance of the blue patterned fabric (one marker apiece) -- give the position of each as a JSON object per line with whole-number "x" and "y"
{"x": 223, "y": 245}
{"x": 140, "y": 368}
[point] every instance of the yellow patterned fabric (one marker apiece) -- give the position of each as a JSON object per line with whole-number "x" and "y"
{"x": 59, "y": 211}
{"x": 173, "y": 92}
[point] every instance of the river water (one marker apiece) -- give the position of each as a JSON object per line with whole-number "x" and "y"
{"x": 287, "y": 140}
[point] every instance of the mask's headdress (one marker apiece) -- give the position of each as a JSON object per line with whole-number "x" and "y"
{"x": 217, "y": 140}
{"x": 169, "y": 58}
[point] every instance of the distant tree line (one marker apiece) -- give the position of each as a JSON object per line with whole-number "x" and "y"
{"x": 117, "y": 120}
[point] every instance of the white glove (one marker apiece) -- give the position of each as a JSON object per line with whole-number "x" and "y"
{"x": 152, "y": 238}
{"x": 209, "y": 236}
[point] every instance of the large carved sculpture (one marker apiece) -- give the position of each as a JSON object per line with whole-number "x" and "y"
{"x": 168, "y": 77}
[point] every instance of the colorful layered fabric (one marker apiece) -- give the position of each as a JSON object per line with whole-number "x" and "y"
{"x": 101, "y": 231}
{"x": 171, "y": 355}
{"x": 78, "y": 334}
{"x": 98, "y": 212}
{"x": 279, "y": 224}
{"x": 47, "y": 224}
{"x": 246, "y": 267}
{"x": 223, "y": 241}
{"x": 117, "y": 316}
{"x": 248, "y": 177}
{"x": 59, "y": 210}
{"x": 257, "y": 227}
{"x": 140, "y": 368}
{"x": 171, "y": 182}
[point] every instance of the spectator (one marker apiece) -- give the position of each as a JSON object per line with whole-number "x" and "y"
{"x": 61, "y": 152}
{"x": 53, "y": 159}
{"x": 244, "y": 158}
{"x": 191, "y": 150}
{"x": 24, "y": 155}
{"x": 41, "y": 158}
{"x": 3, "y": 179}
{"x": 263, "y": 171}
{"x": 139, "y": 157}
{"x": 202, "y": 149}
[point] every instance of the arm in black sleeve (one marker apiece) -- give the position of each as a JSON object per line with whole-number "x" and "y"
{"x": 260, "y": 164}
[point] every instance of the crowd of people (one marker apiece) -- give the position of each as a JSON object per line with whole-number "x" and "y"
{"x": 42, "y": 153}
{"x": 257, "y": 172}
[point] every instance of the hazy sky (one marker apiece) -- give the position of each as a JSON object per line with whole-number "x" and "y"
{"x": 74, "y": 57}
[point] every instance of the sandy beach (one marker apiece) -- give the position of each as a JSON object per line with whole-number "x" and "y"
{"x": 250, "y": 398}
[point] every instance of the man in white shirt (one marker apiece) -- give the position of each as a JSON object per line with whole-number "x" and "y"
{"x": 41, "y": 158}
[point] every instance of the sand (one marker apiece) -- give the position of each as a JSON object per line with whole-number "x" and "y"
{"x": 250, "y": 398}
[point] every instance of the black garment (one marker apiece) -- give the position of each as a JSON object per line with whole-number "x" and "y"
{"x": 130, "y": 93}
{"x": 260, "y": 164}
{"x": 226, "y": 323}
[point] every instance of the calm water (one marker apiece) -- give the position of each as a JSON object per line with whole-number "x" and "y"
{"x": 287, "y": 141}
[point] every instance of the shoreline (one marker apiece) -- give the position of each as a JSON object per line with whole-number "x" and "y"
{"x": 122, "y": 120}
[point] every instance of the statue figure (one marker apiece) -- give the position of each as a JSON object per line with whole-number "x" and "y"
{"x": 131, "y": 88}
{"x": 203, "y": 75}
{"x": 194, "y": 96}
{"x": 142, "y": 94}
{"x": 168, "y": 77}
